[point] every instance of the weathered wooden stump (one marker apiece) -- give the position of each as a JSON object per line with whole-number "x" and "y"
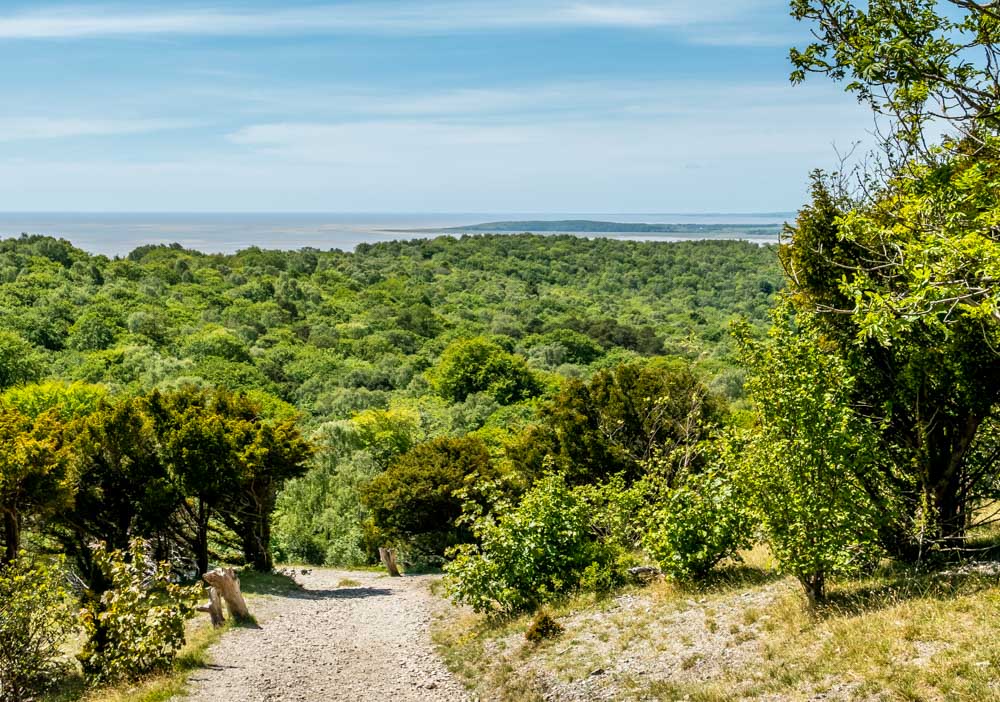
{"x": 388, "y": 557}
{"x": 226, "y": 583}
{"x": 214, "y": 608}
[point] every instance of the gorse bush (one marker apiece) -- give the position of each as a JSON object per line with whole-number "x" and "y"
{"x": 529, "y": 554}
{"x": 136, "y": 626}
{"x": 36, "y": 616}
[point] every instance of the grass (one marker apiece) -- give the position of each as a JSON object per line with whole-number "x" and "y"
{"x": 253, "y": 584}
{"x": 154, "y": 688}
{"x": 900, "y": 634}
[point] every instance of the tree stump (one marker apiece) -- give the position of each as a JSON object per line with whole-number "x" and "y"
{"x": 227, "y": 584}
{"x": 388, "y": 557}
{"x": 214, "y": 608}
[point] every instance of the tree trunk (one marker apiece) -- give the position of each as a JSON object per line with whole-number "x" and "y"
{"x": 11, "y": 536}
{"x": 201, "y": 540}
{"x": 228, "y": 585}
{"x": 257, "y": 543}
{"x": 815, "y": 587}
{"x": 214, "y": 608}
{"x": 388, "y": 557}
{"x": 946, "y": 450}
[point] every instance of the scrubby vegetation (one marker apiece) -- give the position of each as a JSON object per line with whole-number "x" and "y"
{"x": 315, "y": 406}
{"x": 865, "y": 457}
{"x": 543, "y": 416}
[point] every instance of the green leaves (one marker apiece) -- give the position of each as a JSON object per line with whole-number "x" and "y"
{"x": 478, "y": 364}
{"x": 530, "y": 553}
{"x": 806, "y": 466}
{"x": 36, "y": 617}
{"x": 917, "y": 60}
{"x": 136, "y": 626}
{"x": 697, "y": 523}
{"x": 19, "y": 363}
{"x": 416, "y": 502}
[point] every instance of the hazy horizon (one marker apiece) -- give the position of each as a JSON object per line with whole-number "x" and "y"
{"x": 118, "y": 233}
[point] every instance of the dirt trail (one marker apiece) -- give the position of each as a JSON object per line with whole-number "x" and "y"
{"x": 369, "y": 641}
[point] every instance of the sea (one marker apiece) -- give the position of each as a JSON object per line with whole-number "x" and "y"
{"x": 116, "y": 234}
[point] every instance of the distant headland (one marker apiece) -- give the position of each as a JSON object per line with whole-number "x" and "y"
{"x": 576, "y": 226}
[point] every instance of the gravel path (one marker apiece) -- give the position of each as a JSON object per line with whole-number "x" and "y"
{"x": 359, "y": 642}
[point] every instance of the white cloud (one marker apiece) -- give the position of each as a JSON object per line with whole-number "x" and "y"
{"x": 29, "y": 128}
{"x": 442, "y": 16}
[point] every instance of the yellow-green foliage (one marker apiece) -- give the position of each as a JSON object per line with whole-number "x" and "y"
{"x": 136, "y": 626}
{"x": 36, "y": 615}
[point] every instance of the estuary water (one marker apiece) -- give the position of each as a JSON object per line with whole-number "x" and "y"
{"x": 116, "y": 234}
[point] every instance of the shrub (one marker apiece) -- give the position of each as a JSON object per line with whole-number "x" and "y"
{"x": 697, "y": 524}
{"x": 543, "y": 626}
{"x": 529, "y": 554}
{"x": 136, "y": 626}
{"x": 36, "y": 616}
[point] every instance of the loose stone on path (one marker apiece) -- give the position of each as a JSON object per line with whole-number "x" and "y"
{"x": 365, "y": 642}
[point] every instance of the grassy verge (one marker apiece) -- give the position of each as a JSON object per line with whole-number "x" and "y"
{"x": 155, "y": 688}
{"x": 193, "y": 656}
{"x": 898, "y": 635}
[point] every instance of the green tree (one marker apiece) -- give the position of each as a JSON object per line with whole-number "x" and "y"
{"x": 806, "y": 463}
{"x": 123, "y": 488}
{"x": 478, "y": 364}
{"x": 68, "y": 400}
{"x": 269, "y": 454}
{"x": 196, "y": 442}
{"x": 417, "y": 501}
{"x": 902, "y": 274}
{"x": 18, "y": 361}
{"x": 916, "y": 60}
{"x": 34, "y": 477}
{"x": 619, "y": 420}
{"x": 913, "y": 332}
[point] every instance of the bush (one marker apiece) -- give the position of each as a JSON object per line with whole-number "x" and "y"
{"x": 136, "y": 626}
{"x": 808, "y": 466}
{"x": 543, "y": 626}
{"x": 696, "y": 525}
{"x": 36, "y": 616}
{"x": 530, "y": 554}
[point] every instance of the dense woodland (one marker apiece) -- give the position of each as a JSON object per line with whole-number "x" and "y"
{"x": 536, "y": 415}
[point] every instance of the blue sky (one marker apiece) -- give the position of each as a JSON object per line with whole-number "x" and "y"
{"x": 427, "y": 106}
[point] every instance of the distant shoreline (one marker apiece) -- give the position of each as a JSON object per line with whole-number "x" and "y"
{"x": 117, "y": 234}
{"x": 586, "y": 226}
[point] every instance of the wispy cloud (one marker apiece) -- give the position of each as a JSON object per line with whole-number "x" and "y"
{"x": 443, "y": 16}
{"x": 31, "y": 128}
